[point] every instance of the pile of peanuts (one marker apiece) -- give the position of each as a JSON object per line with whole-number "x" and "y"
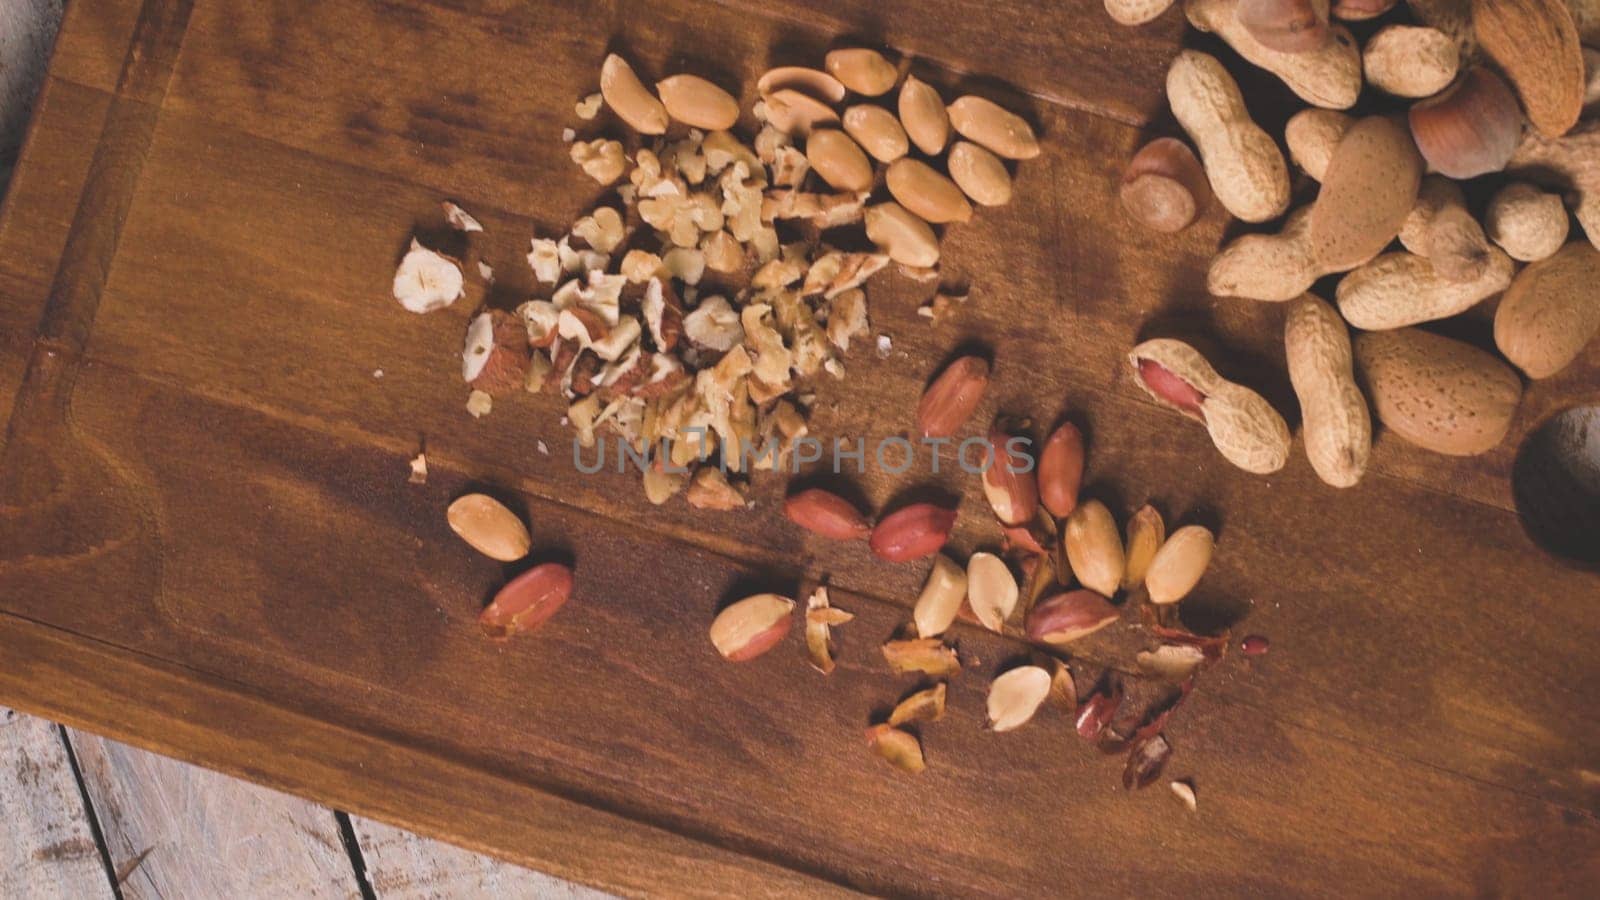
{"x": 1503, "y": 92}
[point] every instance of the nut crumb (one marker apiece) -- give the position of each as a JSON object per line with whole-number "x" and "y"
{"x": 486, "y": 272}
{"x": 459, "y": 219}
{"x": 419, "y": 469}
{"x": 377, "y": 373}
{"x": 588, "y": 107}
{"x": 544, "y": 449}
{"x": 885, "y": 346}
{"x": 1185, "y": 794}
{"x": 568, "y": 135}
{"x": 479, "y": 404}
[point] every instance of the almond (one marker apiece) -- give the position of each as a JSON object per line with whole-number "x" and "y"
{"x": 488, "y": 527}
{"x": 952, "y": 397}
{"x": 752, "y": 626}
{"x": 991, "y": 125}
{"x": 903, "y": 236}
{"x": 1009, "y": 483}
{"x": 1061, "y": 470}
{"x": 1094, "y": 547}
{"x": 818, "y": 84}
{"x": 864, "y": 71}
{"x": 1066, "y": 617}
{"x": 941, "y": 598}
{"x": 1146, "y": 534}
{"x": 913, "y": 532}
{"x": 900, "y": 748}
{"x": 877, "y": 131}
{"x": 1015, "y": 696}
{"x": 527, "y": 601}
{"x": 1551, "y": 311}
{"x": 923, "y": 115}
{"x": 991, "y": 590}
{"x": 796, "y": 114}
{"x": 826, "y": 513}
{"x": 1177, "y": 566}
{"x": 1535, "y": 42}
{"x": 629, "y": 98}
{"x": 980, "y": 174}
{"x": 837, "y": 159}
{"x": 925, "y": 656}
{"x": 1438, "y": 393}
{"x": 1368, "y": 190}
{"x": 698, "y": 103}
{"x": 922, "y": 190}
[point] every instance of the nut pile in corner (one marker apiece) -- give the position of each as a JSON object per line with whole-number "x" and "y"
{"x": 1502, "y": 94}
{"x": 688, "y": 317}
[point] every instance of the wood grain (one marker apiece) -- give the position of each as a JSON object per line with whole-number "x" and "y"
{"x": 175, "y": 830}
{"x": 49, "y": 849}
{"x": 623, "y": 696}
{"x": 207, "y": 496}
{"x": 404, "y": 866}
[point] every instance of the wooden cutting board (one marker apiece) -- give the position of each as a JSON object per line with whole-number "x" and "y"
{"x": 208, "y": 545}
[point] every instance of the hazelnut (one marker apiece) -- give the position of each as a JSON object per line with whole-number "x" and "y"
{"x": 1470, "y": 129}
{"x": 1165, "y": 188}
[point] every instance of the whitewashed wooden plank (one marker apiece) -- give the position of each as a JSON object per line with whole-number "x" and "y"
{"x": 179, "y": 831}
{"x": 47, "y": 850}
{"x": 403, "y": 866}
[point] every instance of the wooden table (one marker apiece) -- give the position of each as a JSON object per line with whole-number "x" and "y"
{"x": 209, "y": 546}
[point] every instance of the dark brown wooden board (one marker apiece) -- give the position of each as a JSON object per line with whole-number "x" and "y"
{"x": 208, "y": 545}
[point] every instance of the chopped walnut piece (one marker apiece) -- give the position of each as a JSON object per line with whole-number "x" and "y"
{"x": 600, "y": 159}
{"x": 772, "y": 358}
{"x": 602, "y": 229}
{"x": 575, "y": 260}
{"x": 538, "y": 372}
{"x": 709, "y": 489}
{"x": 479, "y": 404}
{"x": 789, "y": 167}
{"x": 545, "y": 260}
{"x": 798, "y": 325}
{"x": 836, "y": 272}
{"x": 687, "y": 264}
{"x": 581, "y": 416}
{"x": 722, "y": 253}
{"x": 588, "y": 107}
{"x": 778, "y": 274}
{"x": 722, "y": 150}
{"x": 639, "y": 266}
{"x": 714, "y": 325}
{"x": 660, "y": 484}
{"x": 847, "y": 317}
{"x": 419, "y": 469}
